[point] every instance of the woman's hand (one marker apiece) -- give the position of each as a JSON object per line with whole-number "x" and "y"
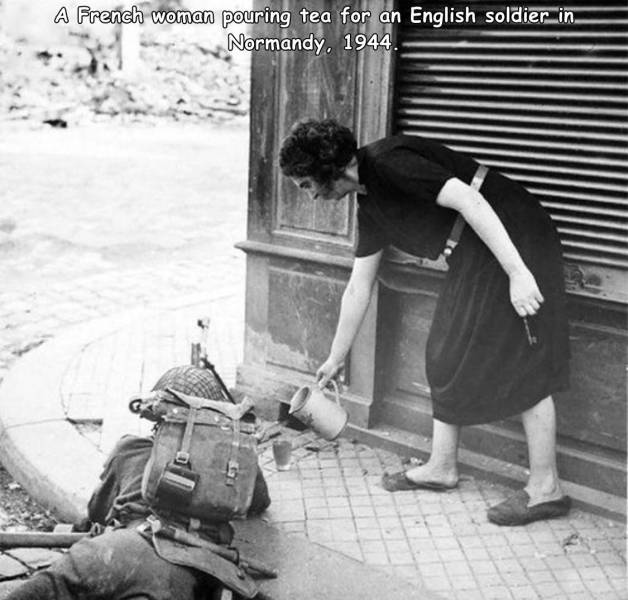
{"x": 525, "y": 295}
{"x": 328, "y": 371}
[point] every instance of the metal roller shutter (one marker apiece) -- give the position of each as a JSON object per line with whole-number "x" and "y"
{"x": 546, "y": 104}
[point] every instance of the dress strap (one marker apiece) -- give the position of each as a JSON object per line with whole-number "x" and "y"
{"x": 456, "y": 230}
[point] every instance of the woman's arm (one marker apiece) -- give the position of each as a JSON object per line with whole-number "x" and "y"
{"x": 525, "y": 295}
{"x": 355, "y": 301}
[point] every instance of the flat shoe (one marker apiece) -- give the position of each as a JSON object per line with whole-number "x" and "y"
{"x": 515, "y": 510}
{"x": 399, "y": 482}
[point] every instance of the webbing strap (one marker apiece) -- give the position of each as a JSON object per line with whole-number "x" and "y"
{"x": 183, "y": 455}
{"x": 233, "y": 466}
{"x": 233, "y": 411}
{"x": 456, "y": 230}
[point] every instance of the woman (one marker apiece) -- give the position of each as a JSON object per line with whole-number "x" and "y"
{"x": 498, "y": 344}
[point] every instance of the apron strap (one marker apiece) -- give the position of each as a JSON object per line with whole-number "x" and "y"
{"x": 456, "y": 230}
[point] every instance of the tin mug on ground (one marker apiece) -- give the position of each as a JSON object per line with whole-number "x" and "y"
{"x": 282, "y": 452}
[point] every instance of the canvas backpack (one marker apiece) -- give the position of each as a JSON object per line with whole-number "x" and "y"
{"x": 203, "y": 463}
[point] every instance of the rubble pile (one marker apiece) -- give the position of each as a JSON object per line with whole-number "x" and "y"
{"x": 180, "y": 78}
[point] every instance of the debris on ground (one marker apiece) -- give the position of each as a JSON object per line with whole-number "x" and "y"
{"x": 313, "y": 448}
{"x": 30, "y": 345}
{"x": 574, "y": 543}
{"x": 181, "y": 78}
{"x": 18, "y": 511}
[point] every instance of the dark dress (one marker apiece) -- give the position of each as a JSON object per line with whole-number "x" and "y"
{"x": 479, "y": 363}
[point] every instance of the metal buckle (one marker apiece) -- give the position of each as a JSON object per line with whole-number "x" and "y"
{"x": 232, "y": 470}
{"x": 182, "y": 458}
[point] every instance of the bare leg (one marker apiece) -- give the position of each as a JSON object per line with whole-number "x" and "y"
{"x": 539, "y": 423}
{"x": 442, "y": 466}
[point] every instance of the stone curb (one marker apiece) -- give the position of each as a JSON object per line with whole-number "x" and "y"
{"x": 35, "y": 437}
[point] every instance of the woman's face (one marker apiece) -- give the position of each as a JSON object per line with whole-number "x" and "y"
{"x": 336, "y": 189}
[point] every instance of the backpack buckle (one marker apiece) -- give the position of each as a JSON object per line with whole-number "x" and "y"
{"x": 182, "y": 458}
{"x": 232, "y": 471}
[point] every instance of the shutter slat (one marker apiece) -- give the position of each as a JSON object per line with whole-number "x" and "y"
{"x": 621, "y": 189}
{"x": 574, "y": 195}
{"x": 506, "y": 45}
{"x": 612, "y": 262}
{"x": 523, "y": 169}
{"x": 498, "y": 57}
{"x": 532, "y": 157}
{"x": 412, "y": 78}
{"x": 611, "y": 249}
{"x": 579, "y": 10}
{"x": 564, "y": 132}
{"x": 550, "y": 26}
{"x": 562, "y": 72}
{"x": 590, "y": 36}
{"x": 546, "y": 104}
{"x": 405, "y": 100}
{"x": 582, "y": 209}
{"x": 482, "y": 115}
{"x": 431, "y": 88}
{"x": 600, "y": 235}
{"x": 488, "y": 139}
{"x": 593, "y": 223}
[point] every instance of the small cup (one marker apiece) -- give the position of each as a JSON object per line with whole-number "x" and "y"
{"x": 282, "y": 452}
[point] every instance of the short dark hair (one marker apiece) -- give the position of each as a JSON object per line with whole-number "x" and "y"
{"x": 317, "y": 149}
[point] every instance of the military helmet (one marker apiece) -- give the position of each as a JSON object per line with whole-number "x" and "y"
{"x": 192, "y": 381}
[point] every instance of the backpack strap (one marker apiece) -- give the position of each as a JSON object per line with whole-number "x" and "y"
{"x": 233, "y": 465}
{"x": 456, "y": 230}
{"x": 233, "y": 411}
{"x": 182, "y": 457}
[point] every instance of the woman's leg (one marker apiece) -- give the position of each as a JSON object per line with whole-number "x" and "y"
{"x": 442, "y": 466}
{"x": 539, "y": 423}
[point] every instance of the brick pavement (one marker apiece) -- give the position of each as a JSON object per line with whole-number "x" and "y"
{"x": 441, "y": 540}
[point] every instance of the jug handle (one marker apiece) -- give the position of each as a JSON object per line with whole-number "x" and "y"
{"x": 334, "y": 384}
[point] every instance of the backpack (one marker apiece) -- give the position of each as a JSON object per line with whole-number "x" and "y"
{"x": 203, "y": 463}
